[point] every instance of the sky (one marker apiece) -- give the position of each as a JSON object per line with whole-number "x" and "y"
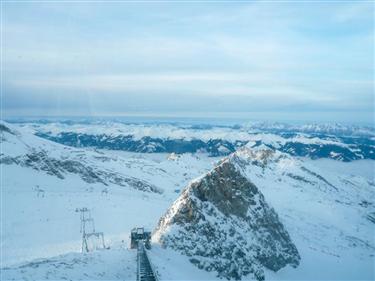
{"x": 271, "y": 60}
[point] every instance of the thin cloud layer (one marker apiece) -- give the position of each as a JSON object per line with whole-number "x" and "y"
{"x": 114, "y": 58}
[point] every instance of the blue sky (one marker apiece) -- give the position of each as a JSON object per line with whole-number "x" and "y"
{"x": 269, "y": 60}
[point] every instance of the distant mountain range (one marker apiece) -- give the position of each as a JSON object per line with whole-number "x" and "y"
{"x": 335, "y": 141}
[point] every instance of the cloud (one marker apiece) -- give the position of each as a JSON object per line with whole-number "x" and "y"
{"x": 217, "y": 56}
{"x": 352, "y": 12}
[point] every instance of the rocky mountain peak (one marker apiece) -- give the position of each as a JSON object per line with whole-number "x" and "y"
{"x": 260, "y": 156}
{"x": 223, "y": 223}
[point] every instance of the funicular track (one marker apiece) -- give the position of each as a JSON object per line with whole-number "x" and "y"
{"x": 145, "y": 270}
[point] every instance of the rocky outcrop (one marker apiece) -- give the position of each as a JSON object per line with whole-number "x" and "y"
{"x": 30, "y": 152}
{"x": 41, "y": 161}
{"x": 223, "y": 223}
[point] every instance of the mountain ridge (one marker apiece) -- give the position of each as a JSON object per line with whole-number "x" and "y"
{"x": 227, "y": 215}
{"x": 311, "y": 141}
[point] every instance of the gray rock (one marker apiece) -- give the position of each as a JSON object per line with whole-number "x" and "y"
{"x": 224, "y": 224}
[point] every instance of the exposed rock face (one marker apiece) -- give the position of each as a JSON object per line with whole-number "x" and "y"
{"x": 5, "y": 129}
{"x": 41, "y": 161}
{"x": 223, "y": 223}
{"x": 40, "y": 156}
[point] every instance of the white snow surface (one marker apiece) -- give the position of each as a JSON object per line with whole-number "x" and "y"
{"x": 40, "y": 236}
{"x": 38, "y": 225}
{"x": 324, "y": 208}
{"x": 326, "y": 217}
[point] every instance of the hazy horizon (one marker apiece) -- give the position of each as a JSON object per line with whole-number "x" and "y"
{"x": 223, "y": 119}
{"x": 287, "y": 61}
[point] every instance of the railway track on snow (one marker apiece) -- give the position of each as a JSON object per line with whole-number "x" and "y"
{"x": 145, "y": 271}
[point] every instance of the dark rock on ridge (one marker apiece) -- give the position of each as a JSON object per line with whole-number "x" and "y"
{"x": 223, "y": 223}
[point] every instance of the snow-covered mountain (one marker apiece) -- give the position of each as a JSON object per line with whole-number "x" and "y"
{"x": 333, "y": 129}
{"x": 57, "y": 160}
{"x": 345, "y": 143}
{"x": 324, "y": 206}
{"x": 42, "y": 184}
{"x": 223, "y": 223}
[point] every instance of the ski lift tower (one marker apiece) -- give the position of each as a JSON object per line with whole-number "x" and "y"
{"x": 87, "y": 220}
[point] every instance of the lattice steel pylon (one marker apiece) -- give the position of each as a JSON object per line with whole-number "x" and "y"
{"x": 87, "y": 220}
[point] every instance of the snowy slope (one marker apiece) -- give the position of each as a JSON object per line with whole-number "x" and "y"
{"x": 327, "y": 212}
{"x": 325, "y": 205}
{"x": 29, "y": 151}
{"x": 114, "y": 264}
{"x": 40, "y": 194}
{"x": 329, "y": 215}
